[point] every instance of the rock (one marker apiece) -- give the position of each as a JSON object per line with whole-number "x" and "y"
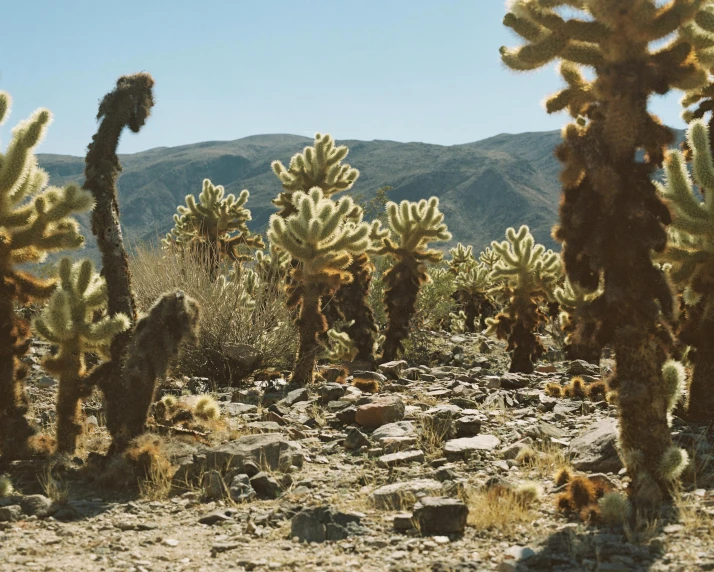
{"x": 512, "y": 451}
{"x": 213, "y": 486}
{"x": 347, "y": 416}
{"x": 268, "y": 449}
{"x": 46, "y": 382}
{"x": 356, "y": 439}
{"x": 214, "y": 518}
{"x": 266, "y": 486}
{"x": 547, "y": 368}
{"x": 514, "y": 381}
{"x": 198, "y": 385}
{"x": 331, "y": 391}
{"x": 581, "y": 367}
{"x": 595, "y": 450}
{"x": 397, "y": 496}
{"x": 563, "y": 408}
{"x": 38, "y": 505}
{"x": 242, "y": 358}
{"x": 401, "y": 458}
{"x": 455, "y": 449}
{"x": 395, "y": 444}
{"x": 236, "y": 409}
{"x": 10, "y": 513}
{"x": 500, "y": 400}
{"x": 240, "y": 489}
{"x": 467, "y": 426}
{"x": 544, "y": 429}
{"x": 318, "y": 524}
{"x": 395, "y": 430}
{"x": 381, "y": 411}
{"x": 296, "y": 396}
{"x": 403, "y": 521}
{"x": 264, "y": 426}
{"x": 440, "y": 515}
{"x": 393, "y": 369}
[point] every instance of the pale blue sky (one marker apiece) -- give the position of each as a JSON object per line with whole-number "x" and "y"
{"x": 403, "y": 70}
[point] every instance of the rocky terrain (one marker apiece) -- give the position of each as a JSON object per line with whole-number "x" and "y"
{"x": 329, "y": 477}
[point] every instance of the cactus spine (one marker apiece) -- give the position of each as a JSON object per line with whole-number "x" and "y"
{"x": 527, "y": 274}
{"x": 692, "y": 258}
{"x": 415, "y": 226}
{"x": 67, "y": 322}
{"x": 322, "y": 242}
{"x": 610, "y": 216}
{"x": 34, "y": 220}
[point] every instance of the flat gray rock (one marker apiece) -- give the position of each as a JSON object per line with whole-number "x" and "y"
{"x": 403, "y": 495}
{"x": 461, "y": 448}
{"x": 595, "y": 450}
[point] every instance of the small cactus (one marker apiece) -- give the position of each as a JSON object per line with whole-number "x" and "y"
{"x": 67, "y": 322}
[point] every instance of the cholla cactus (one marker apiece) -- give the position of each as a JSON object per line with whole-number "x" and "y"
{"x": 528, "y": 274}
{"x": 472, "y": 285}
{"x": 319, "y": 166}
{"x": 216, "y": 226}
{"x": 321, "y": 239}
{"x": 273, "y": 266}
{"x": 458, "y": 322}
{"x": 415, "y": 226}
{"x": 692, "y": 257}
{"x": 341, "y": 347}
{"x": 462, "y": 257}
{"x": 577, "y": 325}
{"x": 611, "y": 219}
{"x": 488, "y": 257}
{"x": 34, "y": 220}
{"x": 67, "y": 322}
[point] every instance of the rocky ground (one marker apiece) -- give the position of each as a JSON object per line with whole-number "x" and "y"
{"x": 333, "y": 478}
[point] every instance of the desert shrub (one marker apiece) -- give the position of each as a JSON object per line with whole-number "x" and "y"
{"x": 226, "y": 318}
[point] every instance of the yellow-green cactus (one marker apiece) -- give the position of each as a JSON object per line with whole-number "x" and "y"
{"x": 216, "y": 226}
{"x": 317, "y": 166}
{"x": 415, "y": 225}
{"x": 577, "y": 325}
{"x": 528, "y": 275}
{"x": 471, "y": 290}
{"x": 488, "y": 257}
{"x": 691, "y": 257}
{"x": 341, "y": 347}
{"x": 323, "y": 241}
{"x": 67, "y": 322}
{"x": 34, "y": 220}
{"x": 462, "y": 257}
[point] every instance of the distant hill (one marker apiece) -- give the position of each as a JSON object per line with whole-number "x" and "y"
{"x": 484, "y": 187}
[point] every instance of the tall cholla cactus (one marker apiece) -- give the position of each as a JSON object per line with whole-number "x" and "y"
{"x": 34, "y": 220}
{"x": 318, "y": 166}
{"x": 322, "y": 241}
{"x": 692, "y": 257}
{"x": 610, "y": 216}
{"x": 472, "y": 285}
{"x": 216, "y": 225}
{"x": 415, "y": 226}
{"x": 67, "y": 322}
{"x": 528, "y": 274}
{"x": 577, "y": 325}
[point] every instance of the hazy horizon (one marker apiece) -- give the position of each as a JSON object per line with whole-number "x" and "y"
{"x": 405, "y": 71}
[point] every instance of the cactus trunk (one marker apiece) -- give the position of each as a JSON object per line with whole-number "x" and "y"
{"x": 311, "y": 323}
{"x": 351, "y": 299}
{"x": 69, "y": 427}
{"x": 701, "y": 388}
{"x": 15, "y": 430}
{"x": 402, "y": 283}
{"x": 642, "y": 404}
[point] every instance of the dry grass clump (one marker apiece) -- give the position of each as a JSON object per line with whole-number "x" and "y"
{"x": 143, "y": 466}
{"x": 501, "y": 507}
{"x": 6, "y": 488}
{"x": 226, "y": 318}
